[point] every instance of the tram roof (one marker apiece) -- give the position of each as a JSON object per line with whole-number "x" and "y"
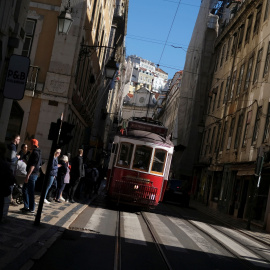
{"x": 148, "y": 137}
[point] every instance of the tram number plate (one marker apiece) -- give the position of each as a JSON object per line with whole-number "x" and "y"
{"x": 178, "y": 192}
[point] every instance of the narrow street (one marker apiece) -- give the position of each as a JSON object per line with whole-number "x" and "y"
{"x": 169, "y": 237}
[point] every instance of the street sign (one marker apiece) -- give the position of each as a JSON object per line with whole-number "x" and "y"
{"x": 16, "y": 77}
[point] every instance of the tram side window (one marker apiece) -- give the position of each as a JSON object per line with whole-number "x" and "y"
{"x": 142, "y": 157}
{"x": 125, "y": 154}
{"x": 159, "y": 161}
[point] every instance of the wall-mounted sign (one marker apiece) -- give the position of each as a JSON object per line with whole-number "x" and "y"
{"x": 16, "y": 77}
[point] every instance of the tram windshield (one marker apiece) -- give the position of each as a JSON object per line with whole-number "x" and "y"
{"x": 142, "y": 157}
{"x": 125, "y": 154}
{"x": 159, "y": 161}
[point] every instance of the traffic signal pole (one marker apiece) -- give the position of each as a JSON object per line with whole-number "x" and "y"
{"x": 55, "y": 133}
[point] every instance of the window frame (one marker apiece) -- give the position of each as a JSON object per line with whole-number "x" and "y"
{"x": 164, "y": 163}
{"x": 267, "y": 60}
{"x": 248, "y": 73}
{"x": 134, "y": 153}
{"x": 130, "y": 156}
{"x": 257, "y": 66}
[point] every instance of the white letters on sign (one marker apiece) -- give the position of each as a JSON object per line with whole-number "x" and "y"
{"x": 16, "y": 77}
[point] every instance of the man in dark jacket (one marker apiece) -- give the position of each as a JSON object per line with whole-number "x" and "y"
{"x": 76, "y": 173}
{"x": 32, "y": 169}
{"x": 12, "y": 158}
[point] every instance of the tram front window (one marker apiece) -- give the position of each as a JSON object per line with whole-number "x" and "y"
{"x": 142, "y": 157}
{"x": 125, "y": 154}
{"x": 159, "y": 161}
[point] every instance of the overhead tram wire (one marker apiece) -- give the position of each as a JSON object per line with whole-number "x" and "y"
{"x": 169, "y": 31}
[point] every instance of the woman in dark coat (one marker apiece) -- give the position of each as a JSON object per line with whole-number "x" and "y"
{"x": 63, "y": 172}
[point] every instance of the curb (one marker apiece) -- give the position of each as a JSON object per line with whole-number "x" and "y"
{"x": 56, "y": 235}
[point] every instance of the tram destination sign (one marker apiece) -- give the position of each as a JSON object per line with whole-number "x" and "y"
{"x": 148, "y": 127}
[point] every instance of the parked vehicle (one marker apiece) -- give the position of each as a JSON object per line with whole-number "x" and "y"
{"x": 177, "y": 191}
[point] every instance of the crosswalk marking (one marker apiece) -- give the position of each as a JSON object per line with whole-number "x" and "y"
{"x": 198, "y": 239}
{"x": 240, "y": 250}
{"x": 166, "y": 236}
{"x": 132, "y": 229}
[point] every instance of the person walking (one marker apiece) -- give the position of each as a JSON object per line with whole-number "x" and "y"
{"x": 32, "y": 169}
{"x": 76, "y": 173}
{"x": 12, "y": 157}
{"x": 53, "y": 174}
{"x": 62, "y": 177}
{"x": 7, "y": 178}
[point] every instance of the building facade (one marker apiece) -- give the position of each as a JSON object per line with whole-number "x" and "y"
{"x": 237, "y": 118}
{"x": 67, "y": 73}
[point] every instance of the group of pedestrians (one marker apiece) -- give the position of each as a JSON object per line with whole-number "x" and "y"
{"x": 74, "y": 176}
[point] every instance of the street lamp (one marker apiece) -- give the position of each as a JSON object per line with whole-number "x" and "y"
{"x": 65, "y": 20}
{"x": 110, "y": 69}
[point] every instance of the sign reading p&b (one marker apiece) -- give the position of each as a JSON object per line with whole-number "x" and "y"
{"x": 16, "y": 77}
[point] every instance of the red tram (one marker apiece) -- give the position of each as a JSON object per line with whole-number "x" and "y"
{"x": 140, "y": 163}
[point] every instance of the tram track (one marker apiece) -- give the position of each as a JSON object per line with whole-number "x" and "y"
{"x": 118, "y": 251}
{"x": 243, "y": 261}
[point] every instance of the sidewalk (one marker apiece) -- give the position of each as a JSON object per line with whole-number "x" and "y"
{"x": 22, "y": 242}
{"x": 239, "y": 224}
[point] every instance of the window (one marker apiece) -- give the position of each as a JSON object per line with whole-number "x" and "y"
{"x": 241, "y": 35}
{"x": 249, "y": 115}
{"x": 159, "y": 161}
{"x": 93, "y": 12}
{"x": 212, "y": 139}
{"x": 267, "y": 58}
{"x": 220, "y": 94}
{"x": 240, "y": 79}
{"x": 234, "y": 45}
{"x": 257, "y": 125}
{"x": 257, "y": 67}
{"x": 266, "y": 14}
{"x": 230, "y": 134}
{"x": 207, "y": 142}
{"x": 233, "y": 84}
{"x": 267, "y": 125}
{"x": 125, "y": 154}
{"x": 142, "y": 157}
{"x": 228, "y": 48}
{"x": 217, "y": 60}
{"x": 222, "y": 55}
{"x": 257, "y": 20}
{"x": 226, "y": 90}
{"x": 250, "y": 18}
{"x": 248, "y": 75}
{"x": 30, "y": 26}
{"x": 238, "y": 131}
{"x": 214, "y": 100}
{"x": 217, "y": 139}
{"x": 223, "y": 136}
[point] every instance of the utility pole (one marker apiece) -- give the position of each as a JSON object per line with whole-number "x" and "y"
{"x": 257, "y": 179}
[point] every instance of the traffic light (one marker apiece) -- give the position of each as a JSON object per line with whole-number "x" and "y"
{"x": 54, "y": 130}
{"x": 65, "y": 135}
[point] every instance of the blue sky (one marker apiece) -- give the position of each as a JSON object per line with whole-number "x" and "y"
{"x": 149, "y": 23}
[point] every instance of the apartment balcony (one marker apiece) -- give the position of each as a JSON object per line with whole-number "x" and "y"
{"x": 32, "y": 77}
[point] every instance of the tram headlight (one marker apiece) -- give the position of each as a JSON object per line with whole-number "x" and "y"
{"x": 136, "y": 186}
